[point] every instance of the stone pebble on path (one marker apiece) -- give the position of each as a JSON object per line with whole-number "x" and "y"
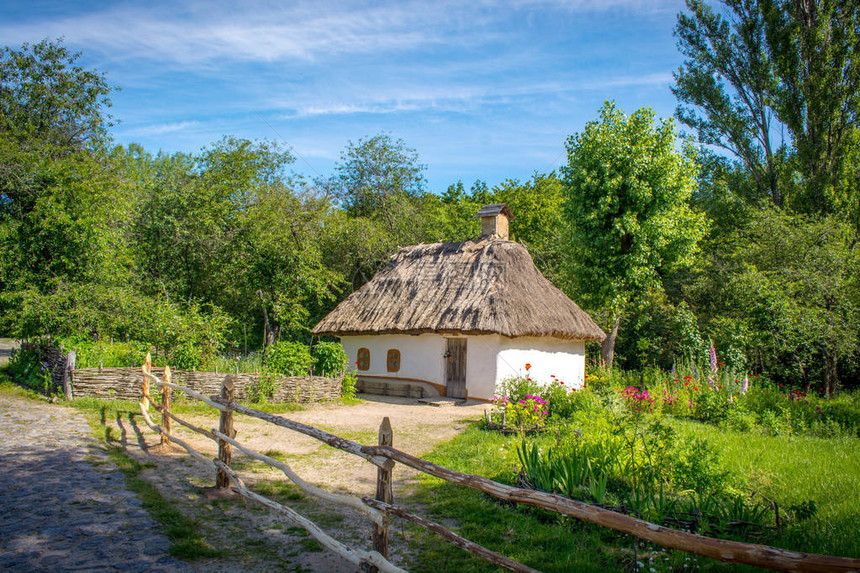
{"x": 63, "y": 503}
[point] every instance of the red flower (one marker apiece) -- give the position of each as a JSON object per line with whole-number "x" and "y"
{"x": 528, "y": 366}
{"x": 688, "y": 377}
{"x": 696, "y": 388}
{"x": 674, "y": 379}
{"x": 722, "y": 363}
{"x": 686, "y": 383}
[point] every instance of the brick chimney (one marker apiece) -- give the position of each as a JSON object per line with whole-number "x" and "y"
{"x": 494, "y": 220}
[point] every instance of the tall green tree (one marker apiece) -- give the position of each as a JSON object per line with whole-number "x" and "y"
{"x": 725, "y": 86}
{"x": 373, "y": 172}
{"x": 626, "y": 190}
{"x": 760, "y": 70}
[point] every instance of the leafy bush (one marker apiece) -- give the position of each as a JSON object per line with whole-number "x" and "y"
{"x": 92, "y": 354}
{"x": 262, "y": 389}
{"x": 78, "y": 313}
{"x": 290, "y": 358}
{"x": 31, "y": 365}
{"x": 348, "y": 384}
{"x": 330, "y": 359}
{"x": 517, "y": 388}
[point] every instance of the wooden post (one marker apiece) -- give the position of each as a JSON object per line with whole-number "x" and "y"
{"x": 165, "y": 408}
{"x": 147, "y": 369}
{"x": 225, "y": 450}
{"x": 67, "y": 376}
{"x": 383, "y": 489}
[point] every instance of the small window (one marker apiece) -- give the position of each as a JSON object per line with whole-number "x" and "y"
{"x": 393, "y": 360}
{"x": 363, "y": 359}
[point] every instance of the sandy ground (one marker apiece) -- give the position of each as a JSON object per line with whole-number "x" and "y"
{"x": 260, "y": 539}
{"x": 7, "y": 345}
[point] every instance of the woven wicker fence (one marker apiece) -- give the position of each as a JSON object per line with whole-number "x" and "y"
{"x": 124, "y": 384}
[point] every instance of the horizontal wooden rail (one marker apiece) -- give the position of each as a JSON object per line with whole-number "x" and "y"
{"x": 383, "y": 456}
{"x": 179, "y": 420}
{"x": 194, "y": 394}
{"x": 461, "y": 542}
{"x": 723, "y": 550}
{"x": 349, "y": 501}
{"x": 355, "y": 556}
{"x": 325, "y": 437}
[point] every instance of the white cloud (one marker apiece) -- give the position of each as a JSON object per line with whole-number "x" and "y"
{"x": 161, "y": 129}
{"x": 197, "y": 31}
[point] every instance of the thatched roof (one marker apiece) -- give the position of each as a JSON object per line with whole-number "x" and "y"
{"x": 477, "y": 287}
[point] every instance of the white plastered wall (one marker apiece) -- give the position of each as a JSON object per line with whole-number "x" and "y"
{"x": 564, "y": 359}
{"x": 421, "y": 356}
{"x": 489, "y": 359}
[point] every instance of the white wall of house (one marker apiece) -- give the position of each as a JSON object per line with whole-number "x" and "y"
{"x": 489, "y": 359}
{"x": 420, "y": 356}
{"x": 564, "y": 359}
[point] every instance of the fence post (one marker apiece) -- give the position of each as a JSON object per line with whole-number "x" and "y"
{"x": 67, "y": 375}
{"x": 147, "y": 369}
{"x": 165, "y": 408}
{"x": 225, "y": 450}
{"x": 383, "y": 489}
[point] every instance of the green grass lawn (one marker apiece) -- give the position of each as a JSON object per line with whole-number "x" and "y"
{"x": 788, "y": 470}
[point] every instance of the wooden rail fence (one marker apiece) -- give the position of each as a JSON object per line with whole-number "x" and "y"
{"x": 381, "y": 507}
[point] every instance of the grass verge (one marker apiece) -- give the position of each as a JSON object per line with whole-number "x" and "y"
{"x": 791, "y": 470}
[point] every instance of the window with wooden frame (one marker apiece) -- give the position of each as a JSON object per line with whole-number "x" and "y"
{"x": 393, "y": 360}
{"x": 363, "y": 361}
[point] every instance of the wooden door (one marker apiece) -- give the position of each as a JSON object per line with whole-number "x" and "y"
{"x": 455, "y": 368}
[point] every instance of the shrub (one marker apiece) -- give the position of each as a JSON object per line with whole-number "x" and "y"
{"x": 262, "y": 389}
{"x": 92, "y": 354}
{"x": 290, "y": 358}
{"x": 518, "y": 388}
{"x": 330, "y": 359}
{"x": 348, "y": 385}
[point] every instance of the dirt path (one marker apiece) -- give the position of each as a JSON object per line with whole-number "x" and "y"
{"x": 64, "y": 505}
{"x": 7, "y": 345}
{"x": 260, "y": 539}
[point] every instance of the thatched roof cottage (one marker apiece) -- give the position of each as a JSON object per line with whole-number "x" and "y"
{"x": 454, "y": 319}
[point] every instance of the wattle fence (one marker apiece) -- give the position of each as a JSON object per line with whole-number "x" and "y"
{"x": 124, "y": 384}
{"x": 380, "y": 507}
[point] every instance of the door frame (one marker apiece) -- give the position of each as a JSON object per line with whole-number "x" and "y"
{"x": 456, "y": 353}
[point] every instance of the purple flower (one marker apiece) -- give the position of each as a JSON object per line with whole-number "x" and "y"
{"x": 745, "y": 386}
{"x": 713, "y": 358}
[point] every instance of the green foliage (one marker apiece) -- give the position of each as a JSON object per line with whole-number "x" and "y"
{"x": 92, "y": 354}
{"x": 626, "y": 190}
{"x": 330, "y": 359}
{"x": 290, "y": 358}
{"x": 44, "y": 94}
{"x": 262, "y": 389}
{"x": 518, "y": 387}
{"x": 374, "y": 171}
{"x": 348, "y": 385}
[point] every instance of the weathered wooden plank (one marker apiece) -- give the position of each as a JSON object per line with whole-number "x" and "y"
{"x": 461, "y": 542}
{"x": 325, "y": 437}
{"x": 165, "y": 409}
{"x": 225, "y": 449}
{"x": 721, "y": 549}
{"x": 384, "y": 491}
{"x": 355, "y": 556}
{"x": 353, "y": 502}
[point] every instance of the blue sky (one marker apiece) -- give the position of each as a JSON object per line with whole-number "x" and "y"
{"x": 481, "y": 90}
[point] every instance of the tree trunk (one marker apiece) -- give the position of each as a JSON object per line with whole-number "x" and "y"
{"x": 831, "y": 381}
{"x": 607, "y": 347}
{"x": 268, "y": 331}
